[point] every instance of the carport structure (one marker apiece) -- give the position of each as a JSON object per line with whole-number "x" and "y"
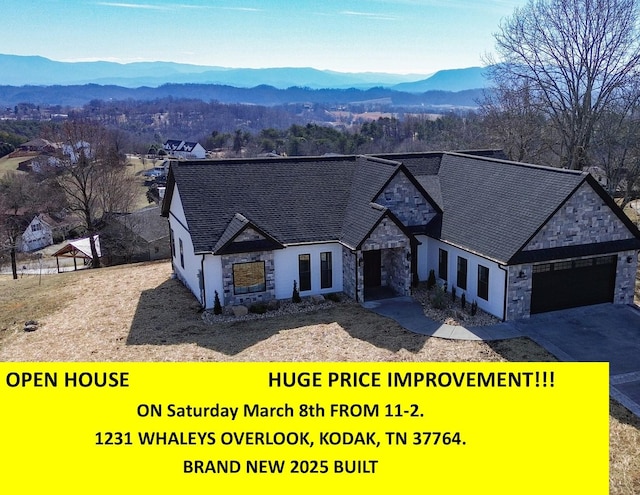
{"x": 80, "y": 248}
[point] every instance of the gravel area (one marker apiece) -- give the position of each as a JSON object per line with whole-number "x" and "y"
{"x": 451, "y": 312}
{"x": 281, "y": 308}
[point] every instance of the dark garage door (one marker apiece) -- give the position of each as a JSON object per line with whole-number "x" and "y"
{"x": 568, "y": 284}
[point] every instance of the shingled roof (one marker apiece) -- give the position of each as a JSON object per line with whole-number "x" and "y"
{"x": 293, "y": 200}
{"x": 490, "y": 206}
{"x": 493, "y": 206}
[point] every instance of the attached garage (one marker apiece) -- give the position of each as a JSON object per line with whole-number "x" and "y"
{"x": 573, "y": 283}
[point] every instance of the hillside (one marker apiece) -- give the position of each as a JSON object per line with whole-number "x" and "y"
{"x": 20, "y": 70}
{"x": 259, "y": 95}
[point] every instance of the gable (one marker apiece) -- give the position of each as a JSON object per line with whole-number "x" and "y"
{"x": 387, "y": 234}
{"x": 241, "y": 236}
{"x": 410, "y": 204}
{"x": 585, "y": 218}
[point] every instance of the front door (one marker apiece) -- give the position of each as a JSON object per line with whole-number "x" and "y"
{"x": 372, "y": 268}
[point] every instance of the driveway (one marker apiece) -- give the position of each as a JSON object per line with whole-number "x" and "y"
{"x": 603, "y": 332}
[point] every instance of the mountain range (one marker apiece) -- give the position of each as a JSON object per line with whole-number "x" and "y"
{"x": 17, "y": 70}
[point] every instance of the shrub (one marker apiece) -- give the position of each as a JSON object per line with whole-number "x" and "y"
{"x": 333, "y": 296}
{"x": 217, "y": 307}
{"x": 438, "y": 298}
{"x": 431, "y": 280}
{"x": 453, "y": 293}
{"x": 295, "y": 297}
{"x": 474, "y": 308}
{"x": 463, "y": 301}
{"x": 258, "y": 308}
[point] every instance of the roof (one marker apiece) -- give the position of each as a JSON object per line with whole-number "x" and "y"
{"x": 80, "y": 248}
{"x": 486, "y": 204}
{"x": 494, "y": 207}
{"x": 176, "y": 145}
{"x": 294, "y": 200}
{"x": 147, "y": 223}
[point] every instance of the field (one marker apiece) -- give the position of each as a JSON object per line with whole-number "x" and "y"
{"x": 92, "y": 315}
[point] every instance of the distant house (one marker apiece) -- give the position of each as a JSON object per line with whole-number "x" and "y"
{"x": 39, "y": 145}
{"x": 515, "y": 238}
{"x": 39, "y": 164}
{"x": 45, "y": 230}
{"x": 184, "y": 149}
{"x": 139, "y": 236}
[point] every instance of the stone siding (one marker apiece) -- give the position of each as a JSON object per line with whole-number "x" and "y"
{"x": 230, "y": 298}
{"x": 519, "y": 287}
{"x": 395, "y": 259}
{"x": 386, "y": 235}
{"x": 249, "y": 234}
{"x": 406, "y": 202}
{"x": 349, "y": 260}
{"x": 626, "y": 272}
{"x": 583, "y": 219}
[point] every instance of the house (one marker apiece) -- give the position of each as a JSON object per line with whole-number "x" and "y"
{"x": 40, "y": 145}
{"x": 142, "y": 235}
{"x": 45, "y": 230}
{"x": 516, "y": 238}
{"x": 183, "y": 149}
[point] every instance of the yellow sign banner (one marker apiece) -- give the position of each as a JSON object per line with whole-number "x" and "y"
{"x": 304, "y": 427}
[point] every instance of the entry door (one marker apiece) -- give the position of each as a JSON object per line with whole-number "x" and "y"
{"x": 372, "y": 268}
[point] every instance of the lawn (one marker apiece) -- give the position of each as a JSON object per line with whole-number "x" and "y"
{"x": 11, "y": 164}
{"x": 139, "y": 313}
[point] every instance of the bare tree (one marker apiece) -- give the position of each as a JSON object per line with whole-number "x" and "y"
{"x": 92, "y": 172}
{"x": 578, "y": 58}
{"x": 17, "y": 206}
{"x": 514, "y": 122}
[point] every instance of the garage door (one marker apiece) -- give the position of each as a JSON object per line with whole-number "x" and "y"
{"x": 568, "y": 284}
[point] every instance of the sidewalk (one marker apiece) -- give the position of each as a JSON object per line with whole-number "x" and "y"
{"x": 408, "y": 313}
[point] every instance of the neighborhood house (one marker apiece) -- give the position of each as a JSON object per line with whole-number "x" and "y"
{"x": 184, "y": 149}
{"x": 516, "y": 238}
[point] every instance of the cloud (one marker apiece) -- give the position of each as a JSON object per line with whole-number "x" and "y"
{"x": 142, "y": 6}
{"x": 242, "y": 9}
{"x": 172, "y": 6}
{"x": 370, "y": 15}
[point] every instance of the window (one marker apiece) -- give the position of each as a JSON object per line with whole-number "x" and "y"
{"x": 483, "y": 282}
{"x": 442, "y": 264}
{"x": 562, "y": 265}
{"x": 462, "y": 273}
{"x": 181, "y": 254}
{"x": 582, "y": 263}
{"x": 172, "y": 240}
{"x": 326, "y": 272}
{"x": 304, "y": 271}
{"x": 541, "y": 268}
{"x": 249, "y": 277}
{"x": 36, "y": 227}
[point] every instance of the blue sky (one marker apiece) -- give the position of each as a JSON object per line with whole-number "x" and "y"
{"x": 397, "y": 36}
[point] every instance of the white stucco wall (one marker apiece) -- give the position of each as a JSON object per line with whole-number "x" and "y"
{"x": 192, "y": 263}
{"x": 286, "y": 268}
{"x": 429, "y": 251}
{"x": 213, "y": 279}
{"x": 423, "y": 260}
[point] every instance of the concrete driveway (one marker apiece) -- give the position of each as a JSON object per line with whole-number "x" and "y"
{"x": 600, "y": 333}
{"x": 603, "y": 332}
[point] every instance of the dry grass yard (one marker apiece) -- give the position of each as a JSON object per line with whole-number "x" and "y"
{"x": 138, "y": 313}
